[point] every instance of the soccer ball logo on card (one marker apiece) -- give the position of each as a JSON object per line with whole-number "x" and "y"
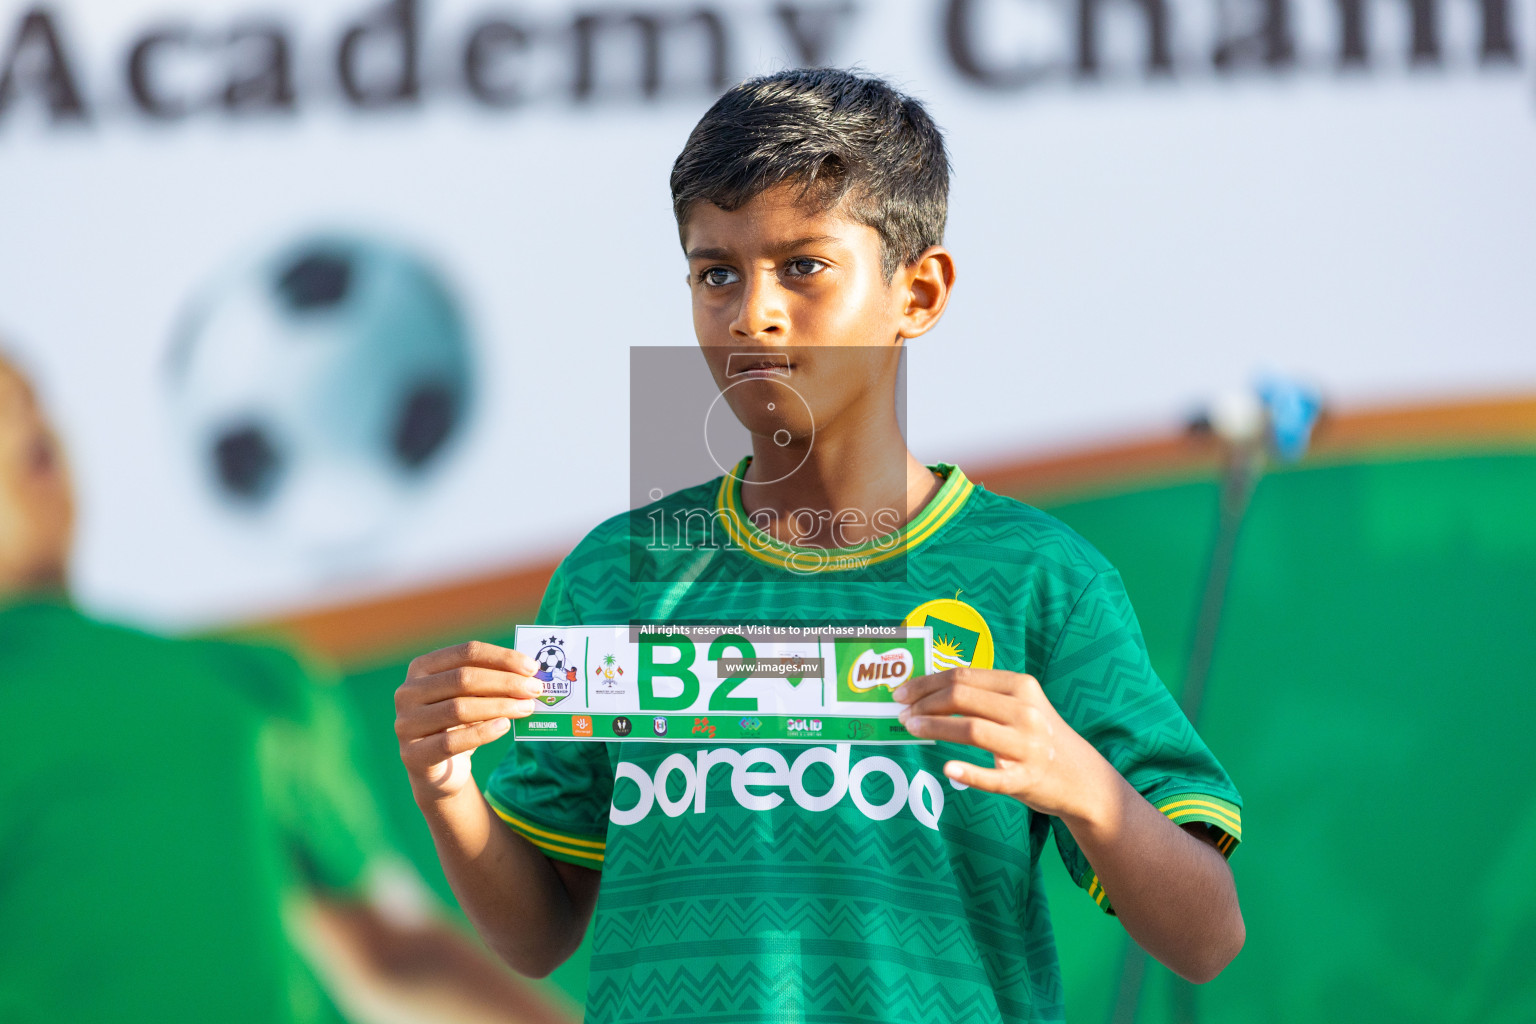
{"x": 554, "y": 671}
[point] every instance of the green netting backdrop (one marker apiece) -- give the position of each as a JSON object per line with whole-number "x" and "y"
{"x": 1373, "y": 693}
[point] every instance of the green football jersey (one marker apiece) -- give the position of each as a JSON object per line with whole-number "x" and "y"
{"x": 161, "y": 803}
{"x": 840, "y": 882}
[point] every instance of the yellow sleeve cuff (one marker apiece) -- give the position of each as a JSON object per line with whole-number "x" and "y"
{"x": 581, "y": 850}
{"x": 1222, "y": 816}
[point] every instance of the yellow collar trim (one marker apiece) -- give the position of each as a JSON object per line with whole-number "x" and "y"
{"x": 764, "y": 547}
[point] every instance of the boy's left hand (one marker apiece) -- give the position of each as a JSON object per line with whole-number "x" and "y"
{"x": 1039, "y": 758}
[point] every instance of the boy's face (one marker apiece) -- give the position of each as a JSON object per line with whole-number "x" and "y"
{"x": 791, "y": 283}
{"x": 36, "y": 511}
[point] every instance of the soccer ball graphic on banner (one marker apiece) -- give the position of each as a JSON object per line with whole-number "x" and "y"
{"x": 318, "y": 386}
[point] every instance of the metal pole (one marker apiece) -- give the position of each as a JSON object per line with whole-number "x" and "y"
{"x": 1240, "y": 476}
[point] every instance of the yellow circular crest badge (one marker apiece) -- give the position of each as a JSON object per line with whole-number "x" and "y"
{"x": 960, "y": 635}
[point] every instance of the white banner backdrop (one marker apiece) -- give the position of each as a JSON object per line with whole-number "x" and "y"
{"x": 1153, "y": 201}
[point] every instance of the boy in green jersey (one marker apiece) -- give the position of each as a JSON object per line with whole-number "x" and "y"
{"x": 835, "y": 882}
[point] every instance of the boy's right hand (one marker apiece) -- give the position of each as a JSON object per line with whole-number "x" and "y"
{"x": 454, "y": 701}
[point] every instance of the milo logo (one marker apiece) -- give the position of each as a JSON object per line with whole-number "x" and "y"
{"x": 889, "y": 670}
{"x": 869, "y": 672}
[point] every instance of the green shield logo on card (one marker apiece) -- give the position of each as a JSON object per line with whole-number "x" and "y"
{"x": 869, "y": 671}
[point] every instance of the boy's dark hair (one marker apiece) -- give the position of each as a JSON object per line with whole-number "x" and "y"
{"x": 842, "y": 136}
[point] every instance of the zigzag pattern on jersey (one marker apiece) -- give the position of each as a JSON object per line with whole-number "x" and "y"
{"x": 1006, "y": 557}
{"x": 1048, "y": 549}
{"x": 1121, "y": 706}
{"x": 817, "y": 903}
{"x": 1103, "y": 685}
{"x": 1116, "y": 691}
{"x": 1011, "y": 973}
{"x": 948, "y": 926}
{"x": 1024, "y": 533}
{"x": 1040, "y": 946}
{"x": 977, "y": 829}
{"x": 715, "y": 842}
{"x": 984, "y": 897}
{"x": 1099, "y": 622}
{"x": 834, "y": 989}
{"x": 673, "y": 926}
